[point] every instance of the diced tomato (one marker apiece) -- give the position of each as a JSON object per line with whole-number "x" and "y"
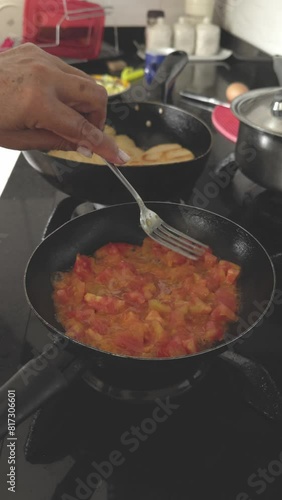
{"x": 209, "y": 259}
{"x": 134, "y": 298}
{"x": 172, "y": 348}
{"x": 129, "y": 317}
{"x": 105, "y": 276}
{"x": 104, "y": 304}
{"x": 146, "y": 301}
{"x": 197, "y": 306}
{"x": 154, "y": 316}
{"x": 149, "y": 290}
{"x": 214, "y": 332}
{"x": 77, "y": 291}
{"x": 223, "y": 312}
{"x": 232, "y": 275}
{"x": 231, "y": 270}
{"x": 159, "y": 306}
{"x": 93, "y": 335}
{"x": 61, "y": 296}
{"x": 190, "y": 345}
{"x": 99, "y": 325}
{"x": 174, "y": 259}
{"x": 154, "y": 333}
{"x": 200, "y": 290}
{"x": 154, "y": 247}
{"x": 130, "y": 343}
{"x": 214, "y": 278}
{"x": 82, "y": 266}
{"x": 84, "y": 315}
{"x": 75, "y": 329}
{"x": 227, "y": 296}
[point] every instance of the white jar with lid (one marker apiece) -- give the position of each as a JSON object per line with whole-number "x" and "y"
{"x": 199, "y": 8}
{"x": 207, "y": 39}
{"x": 159, "y": 36}
{"x": 184, "y": 36}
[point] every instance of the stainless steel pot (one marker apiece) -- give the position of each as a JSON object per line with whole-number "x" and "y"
{"x": 258, "y": 150}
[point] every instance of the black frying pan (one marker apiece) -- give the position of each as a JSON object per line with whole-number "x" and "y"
{"x": 148, "y": 124}
{"x": 120, "y": 223}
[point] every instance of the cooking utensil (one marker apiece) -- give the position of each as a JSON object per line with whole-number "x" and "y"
{"x": 148, "y": 124}
{"x": 158, "y": 230}
{"x": 51, "y": 371}
{"x": 222, "y": 117}
{"x": 212, "y": 101}
{"x": 259, "y": 146}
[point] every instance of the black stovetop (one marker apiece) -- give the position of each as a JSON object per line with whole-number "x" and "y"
{"x": 210, "y": 444}
{"x": 207, "y": 444}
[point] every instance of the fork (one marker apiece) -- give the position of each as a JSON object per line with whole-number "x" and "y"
{"x": 159, "y": 230}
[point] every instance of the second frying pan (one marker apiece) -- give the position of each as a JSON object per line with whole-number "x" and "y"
{"x": 148, "y": 124}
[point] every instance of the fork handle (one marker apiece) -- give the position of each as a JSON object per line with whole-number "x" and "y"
{"x": 126, "y": 183}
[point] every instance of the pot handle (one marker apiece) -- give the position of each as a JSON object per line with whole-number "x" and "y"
{"x": 260, "y": 390}
{"x": 36, "y": 382}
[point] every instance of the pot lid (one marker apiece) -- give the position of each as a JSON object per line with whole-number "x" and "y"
{"x": 261, "y": 109}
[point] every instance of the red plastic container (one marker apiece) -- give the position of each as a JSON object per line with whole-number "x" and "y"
{"x": 73, "y": 28}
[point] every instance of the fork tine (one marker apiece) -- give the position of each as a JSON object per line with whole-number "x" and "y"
{"x": 175, "y": 231}
{"x": 177, "y": 244}
{"x": 168, "y": 243}
{"x": 157, "y": 229}
{"x": 180, "y": 241}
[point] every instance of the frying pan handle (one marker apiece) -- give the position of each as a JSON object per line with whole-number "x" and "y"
{"x": 36, "y": 382}
{"x": 167, "y": 73}
{"x": 260, "y": 390}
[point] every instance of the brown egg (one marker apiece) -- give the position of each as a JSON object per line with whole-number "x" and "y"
{"x": 235, "y": 89}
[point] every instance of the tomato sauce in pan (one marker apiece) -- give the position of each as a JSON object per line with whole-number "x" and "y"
{"x": 147, "y": 301}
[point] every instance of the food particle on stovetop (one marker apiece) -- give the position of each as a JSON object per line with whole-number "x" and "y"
{"x": 147, "y": 301}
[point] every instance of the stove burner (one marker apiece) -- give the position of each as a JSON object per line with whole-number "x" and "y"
{"x": 142, "y": 396}
{"x": 244, "y": 190}
{"x": 86, "y": 208}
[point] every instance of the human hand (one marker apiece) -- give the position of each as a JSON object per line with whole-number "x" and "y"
{"x": 47, "y": 104}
